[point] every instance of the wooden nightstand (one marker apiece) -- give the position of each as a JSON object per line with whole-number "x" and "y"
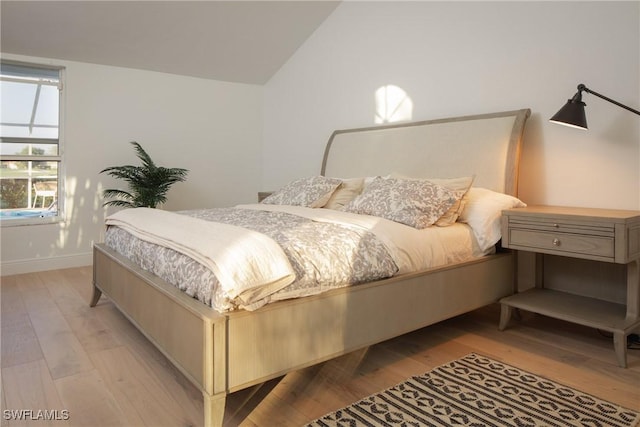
{"x": 593, "y": 234}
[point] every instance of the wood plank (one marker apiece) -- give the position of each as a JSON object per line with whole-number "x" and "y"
{"x": 19, "y": 343}
{"x": 273, "y": 411}
{"x": 37, "y": 299}
{"x": 137, "y": 390}
{"x": 29, "y": 281}
{"x": 81, "y": 280}
{"x": 61, "y": 348}
{"x": 32, "y": 389}
{"x": 3, "y": 403}
{"x": 314, "y": 389}
{"x": 92, "y": 334}
{"x": 82, "y": 319}
{"x": 10, "y": 295}
{"x": 90, "y": 402}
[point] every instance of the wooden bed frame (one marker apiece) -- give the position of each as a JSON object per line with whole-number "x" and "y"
{"x": 224, "y": 353}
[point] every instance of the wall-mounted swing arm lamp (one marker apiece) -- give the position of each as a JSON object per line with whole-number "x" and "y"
{"x": 572, "y": 114}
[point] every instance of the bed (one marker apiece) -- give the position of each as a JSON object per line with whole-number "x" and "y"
{"x": 224, "y": 352}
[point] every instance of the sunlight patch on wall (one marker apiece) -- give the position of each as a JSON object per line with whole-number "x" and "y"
{"x": 392, "y": 105}
{"x": 70, "y": 207}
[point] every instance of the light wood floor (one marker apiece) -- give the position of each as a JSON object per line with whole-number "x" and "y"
{"x": 60, "y": 354}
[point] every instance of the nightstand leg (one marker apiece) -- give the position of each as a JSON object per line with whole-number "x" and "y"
{"x": 505, "y": 316}
{"x": 633, "y": 291}
{"x": 620, "y": 346}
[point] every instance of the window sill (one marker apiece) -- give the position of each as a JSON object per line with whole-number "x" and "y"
{"x": 6, "y": 223}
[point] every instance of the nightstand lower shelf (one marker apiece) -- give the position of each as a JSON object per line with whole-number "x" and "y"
{"x": 591, "y": 312}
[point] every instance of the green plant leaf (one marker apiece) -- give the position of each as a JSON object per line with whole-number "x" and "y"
{"x": 148, "y": 184}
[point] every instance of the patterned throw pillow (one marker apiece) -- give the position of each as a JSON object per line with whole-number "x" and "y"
{"x": 312, "y": 192}
{"x": 416, "y": 203}
{"x": 459, "y": 185}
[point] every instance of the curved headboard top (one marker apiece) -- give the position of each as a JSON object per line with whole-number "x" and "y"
{"x": 486, "y": 145}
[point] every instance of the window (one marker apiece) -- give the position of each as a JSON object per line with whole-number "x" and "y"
{"x": 30, "y": 152}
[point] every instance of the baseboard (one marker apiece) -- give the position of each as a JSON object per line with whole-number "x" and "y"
{"x": 9, "y": 268}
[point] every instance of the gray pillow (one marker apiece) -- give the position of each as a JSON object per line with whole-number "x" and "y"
{"x": 418, "y": 204}
{"x": 312, "y": 192}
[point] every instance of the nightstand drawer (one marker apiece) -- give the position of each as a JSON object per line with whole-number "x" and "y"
{"x": 561, "y": 225}
{"x": 578, "y": 244}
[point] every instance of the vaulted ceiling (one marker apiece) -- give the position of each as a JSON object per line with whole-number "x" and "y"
{"x": 236, "y": 41}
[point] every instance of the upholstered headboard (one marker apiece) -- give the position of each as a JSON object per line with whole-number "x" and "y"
{"x": 487, "y": 146}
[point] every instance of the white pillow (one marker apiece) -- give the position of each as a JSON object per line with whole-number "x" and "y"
{"x": 483, "y": 211}
{"x": 416, "y": 203}
{"x": 312, "y": 192}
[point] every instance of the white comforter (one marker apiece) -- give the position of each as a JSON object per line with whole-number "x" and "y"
{"x": 248, "y": 264}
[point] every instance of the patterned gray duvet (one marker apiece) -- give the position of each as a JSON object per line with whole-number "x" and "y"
{"x": 323, "y": 255}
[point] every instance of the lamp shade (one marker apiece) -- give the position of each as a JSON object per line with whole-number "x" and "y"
{"x": 572, "y": 114}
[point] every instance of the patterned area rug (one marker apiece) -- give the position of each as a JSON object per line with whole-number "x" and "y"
{"x": 478, "y": 391}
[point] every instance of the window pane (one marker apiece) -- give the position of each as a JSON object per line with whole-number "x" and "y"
{"x": 28, "y": 187}
{"x": 24, "y": 170}
{"x": 47, "y": 111}
{"x": 44, "y": 132}
{"x": 22, "y": 131}
{"x": 22, "y": 149}
{"x": 17, "y": 102}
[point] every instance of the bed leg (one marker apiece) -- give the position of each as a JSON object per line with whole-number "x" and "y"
{"x": 97, "y": 293}
{"x": 214, "y": 409}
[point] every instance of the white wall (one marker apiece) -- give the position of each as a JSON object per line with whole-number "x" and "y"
{"x": 465, "y": 58}
{"x": 212, "y": 128}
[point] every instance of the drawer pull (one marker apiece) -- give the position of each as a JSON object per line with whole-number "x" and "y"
{"x": 556, "y": 225}
{"x": 556, "y": 242}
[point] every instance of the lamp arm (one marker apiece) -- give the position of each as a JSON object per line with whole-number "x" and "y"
{"x": 582, "y": 87}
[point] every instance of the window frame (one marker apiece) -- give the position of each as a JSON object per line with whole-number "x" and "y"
{"x": 59, "y": 158}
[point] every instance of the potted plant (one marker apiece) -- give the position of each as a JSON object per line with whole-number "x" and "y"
{"x": 148, "y": 183}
